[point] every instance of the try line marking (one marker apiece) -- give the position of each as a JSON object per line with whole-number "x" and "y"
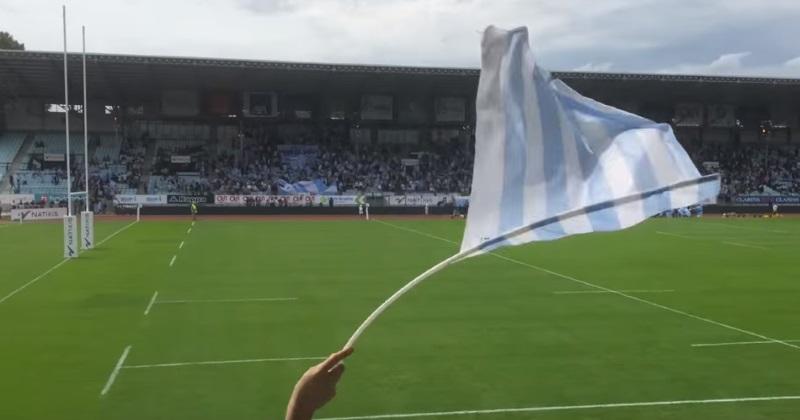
{"x": 115, "y": 372}
{"x": 590, "y": 292}
{"x": 181, "y": 245}
{"x": 740, "y": 343}
{"x": 569, "y": 407}
{"x": 697, "y": 238}
{"x": 223, "y": 362}
{"x": 277, "y": 299}
{"x": 616, "y": 292}
{"x": 172, "y": 261}
{"x": 59, "y": 264}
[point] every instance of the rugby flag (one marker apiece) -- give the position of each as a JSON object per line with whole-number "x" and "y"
{"x": 551, "y": 163}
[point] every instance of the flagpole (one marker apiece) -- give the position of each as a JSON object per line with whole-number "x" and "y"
{"x": 410, "y": 285}
{"x": 66, "y": 113}
{"x": 85, "y": 123}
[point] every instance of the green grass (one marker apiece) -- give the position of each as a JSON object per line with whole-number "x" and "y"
{"x": 485, "y": 333}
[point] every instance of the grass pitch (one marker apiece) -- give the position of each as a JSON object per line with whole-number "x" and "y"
{"x": 242, "y": 307}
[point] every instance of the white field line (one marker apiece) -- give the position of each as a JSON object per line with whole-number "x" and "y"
{"x": 698, "y": 238}
{"x": 181, "y": 245}
{"x": 192, "y": 222}
{"x": 37, "y": 278}
{"x": 172, "y": 261}
{"x": 590, "y": 292}
{"x": 116, "y": 233}
{"x": 59, "y": 264}
{"x": 744, "y": 245}
{"x": 189, "y": 231}
{"x": 675, "y": 235}
{"x": 749, "y": 228}
{"x": 278, "y": 299}
{"x": 152, "y": 302}
{"x": 740, "y": 343}
{"x": 569, "y": 407}
{"x": 223, "y": 362}
{"x": 618, "y": 293}
{"x": 115, "y": 372}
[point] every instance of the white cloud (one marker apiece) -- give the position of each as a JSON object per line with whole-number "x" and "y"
{"x": 590, "y": 34}
{"x": 795, "y": 62}
{"x": 595, "y": 67}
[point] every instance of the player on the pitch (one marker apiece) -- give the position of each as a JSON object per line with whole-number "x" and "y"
{"x": 194, "y": 210}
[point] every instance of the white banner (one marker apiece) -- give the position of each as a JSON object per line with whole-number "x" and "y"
{"x": 70, "y": 237}
{"x": 87, "y": 230}
{"x": 297, "y": 200}
{"x": 38, "y": 214}
{"x": 180, "y": 159}
{"x": 418, "y": 200}
{"x": 140, "y": 199}
{"x": 14, "y": 199}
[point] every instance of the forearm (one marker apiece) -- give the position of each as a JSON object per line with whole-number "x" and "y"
{"x": 296, "y": 412}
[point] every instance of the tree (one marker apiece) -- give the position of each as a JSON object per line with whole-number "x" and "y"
{"x": 7, "y": 42}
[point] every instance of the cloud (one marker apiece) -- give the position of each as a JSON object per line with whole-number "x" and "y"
{"x": 595, "y": 67}
{"x": 795, "y": 62}
{"x": 634, "y": 35}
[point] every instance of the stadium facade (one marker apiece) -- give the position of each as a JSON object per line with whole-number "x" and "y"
{"x": 217, "y": 99}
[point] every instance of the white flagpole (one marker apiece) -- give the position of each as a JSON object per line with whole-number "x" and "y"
{"x": 66, "y": 114}
{"x": 85, "y": 123}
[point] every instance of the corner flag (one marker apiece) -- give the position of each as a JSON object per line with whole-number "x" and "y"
{"x": 551, "y": 163}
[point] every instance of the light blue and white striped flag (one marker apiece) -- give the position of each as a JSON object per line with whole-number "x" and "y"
{"x": 551, "y": 163}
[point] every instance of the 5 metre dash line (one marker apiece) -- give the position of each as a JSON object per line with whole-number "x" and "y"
{"x": 152, "y": 302}
{"x": 616, "y": 292}
{"x": 115, "y": 372}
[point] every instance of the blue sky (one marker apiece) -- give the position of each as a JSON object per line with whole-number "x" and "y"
{"x": 731, "y": 37}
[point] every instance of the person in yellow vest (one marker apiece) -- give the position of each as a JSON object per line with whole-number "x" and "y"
{"x": 194, "y": 210}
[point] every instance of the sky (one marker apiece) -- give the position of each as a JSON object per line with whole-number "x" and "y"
{"x": 719, "y": 37}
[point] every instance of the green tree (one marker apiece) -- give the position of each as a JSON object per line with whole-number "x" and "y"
{"x": 7, "y": 42}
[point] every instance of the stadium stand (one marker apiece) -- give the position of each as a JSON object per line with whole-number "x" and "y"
{"x": 10, "y": 143}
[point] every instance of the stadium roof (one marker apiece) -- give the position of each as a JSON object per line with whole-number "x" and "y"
{"x": 40, "y": 74}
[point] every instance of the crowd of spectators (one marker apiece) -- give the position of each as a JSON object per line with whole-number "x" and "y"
{"x": 364, "y": 169}
{"x": 752, "y": 170}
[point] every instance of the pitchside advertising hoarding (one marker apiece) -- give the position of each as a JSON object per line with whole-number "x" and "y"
{"x": 23, "y": 215}
{"x": 143, "y": 199}
{"x": 766, "y": 199}
{"x": 188, "y": 198}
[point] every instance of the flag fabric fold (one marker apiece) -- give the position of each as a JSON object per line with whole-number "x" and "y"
{"x": 551, "y": 163}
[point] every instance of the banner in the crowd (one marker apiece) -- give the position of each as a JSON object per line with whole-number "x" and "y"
{"x": 187, "y": 198}
{"x": 180, "y": 159}
{"x": 418, "y": 200}
{"x": 54, "y": 157}
{"x": 38, "y": 214}
{"x": 317, "y": 186}
{"x": 767, "y": 199}
{"x": 142, "y": 199}
{"x": 14, "y": 199}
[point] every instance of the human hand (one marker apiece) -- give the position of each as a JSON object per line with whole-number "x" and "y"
{"x": 316, "y": 387}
